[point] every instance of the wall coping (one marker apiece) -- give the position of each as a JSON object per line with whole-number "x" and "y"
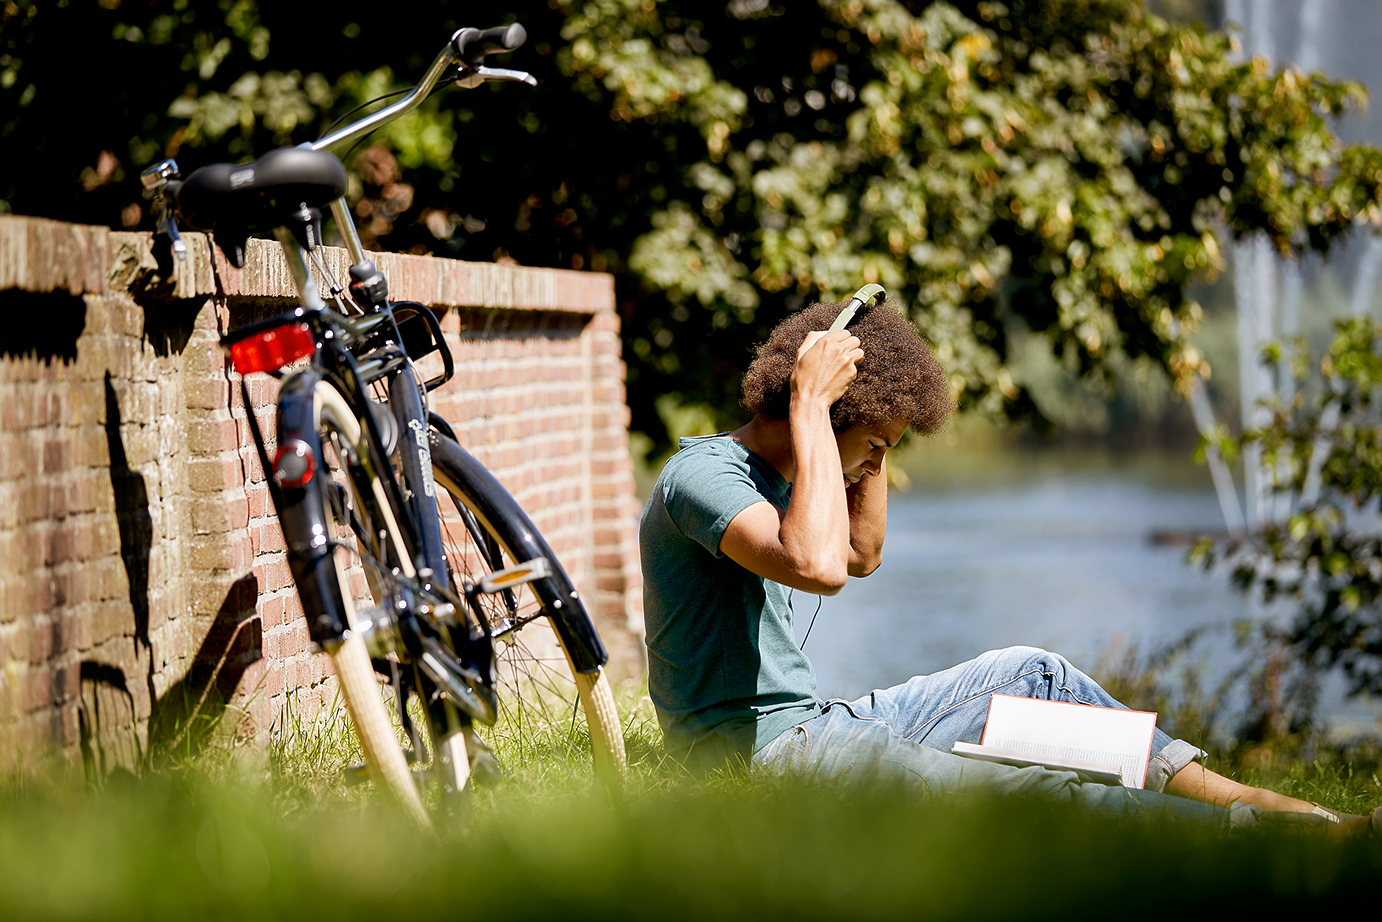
{"x": 42, "y": 255}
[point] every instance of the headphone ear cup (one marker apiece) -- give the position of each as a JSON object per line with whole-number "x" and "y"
{"x": 870, "y": 295}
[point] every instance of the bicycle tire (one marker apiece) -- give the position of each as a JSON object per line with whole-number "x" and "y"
{"x": 539, "y": 681}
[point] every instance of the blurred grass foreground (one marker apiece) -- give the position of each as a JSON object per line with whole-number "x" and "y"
{"x": 220, "y": 836}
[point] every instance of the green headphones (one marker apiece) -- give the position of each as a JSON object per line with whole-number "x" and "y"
{"x": 867, "y": 296}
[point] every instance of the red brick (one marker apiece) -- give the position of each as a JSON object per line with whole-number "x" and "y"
{"x": 272, "y": 611}
{"x": 274, "y": 680}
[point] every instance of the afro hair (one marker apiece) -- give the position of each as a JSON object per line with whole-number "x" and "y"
{"x": 898, "y": 375}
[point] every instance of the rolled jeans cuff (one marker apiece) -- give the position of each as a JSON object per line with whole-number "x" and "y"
{"x": 1167, "y": 763}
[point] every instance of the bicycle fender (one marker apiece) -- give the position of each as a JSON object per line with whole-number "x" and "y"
{"x": 492, "y": 503}
{"x": 303, "y": 516}
{"x": 415, "y": 457}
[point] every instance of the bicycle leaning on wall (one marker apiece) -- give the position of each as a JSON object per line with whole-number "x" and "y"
{"x": 471, "y": 616}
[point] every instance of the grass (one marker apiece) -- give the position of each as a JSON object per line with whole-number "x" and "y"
{"x": 1347, "y": 785}
{"x": 285, "y": 838}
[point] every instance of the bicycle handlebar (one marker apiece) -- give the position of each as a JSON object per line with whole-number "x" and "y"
{"x": 465, "y": 51}
{"x": 499, "y": 40}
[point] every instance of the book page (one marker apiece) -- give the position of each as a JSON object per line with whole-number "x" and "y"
{"x": 1101, "y": 772}
{"x": 1056, "y": 730}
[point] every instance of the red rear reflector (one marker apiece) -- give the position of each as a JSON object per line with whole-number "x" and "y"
{"x": 293, "y": 464}
{"x": 272, "y": 349}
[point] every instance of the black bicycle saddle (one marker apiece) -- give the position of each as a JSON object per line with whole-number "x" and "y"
{"x": 259, "y": 195}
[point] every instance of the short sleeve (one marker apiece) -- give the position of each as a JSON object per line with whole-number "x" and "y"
{"x": 705, "y": 492}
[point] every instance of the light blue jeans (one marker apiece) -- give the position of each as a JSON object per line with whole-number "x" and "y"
{"x": 903, "y": 734}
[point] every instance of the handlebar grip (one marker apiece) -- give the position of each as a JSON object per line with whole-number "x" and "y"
{"x": 499, "y": 40}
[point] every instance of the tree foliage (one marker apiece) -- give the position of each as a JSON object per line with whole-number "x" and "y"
{"x": 1325, "y": 452}
{"x": 1059, "y": 166}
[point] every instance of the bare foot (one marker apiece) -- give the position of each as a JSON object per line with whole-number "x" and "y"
{"x": 1355, "y": 827}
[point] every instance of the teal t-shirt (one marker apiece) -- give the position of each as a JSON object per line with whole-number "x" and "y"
{"x": 724, "y": 669}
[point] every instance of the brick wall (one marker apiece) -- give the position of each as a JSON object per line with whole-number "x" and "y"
{"x": 143, "y": 584}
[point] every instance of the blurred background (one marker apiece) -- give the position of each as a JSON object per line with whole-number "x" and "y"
{"x": 1098, "y": 211}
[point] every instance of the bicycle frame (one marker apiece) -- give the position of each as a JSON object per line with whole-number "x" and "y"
{"x": 394, "y": 515}
{"x": 369, "y": 286}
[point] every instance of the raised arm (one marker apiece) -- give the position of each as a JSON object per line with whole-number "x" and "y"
{"x": 808, "y": 547}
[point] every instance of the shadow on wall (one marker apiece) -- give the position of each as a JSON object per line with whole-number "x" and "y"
{"x": 41, "y": 325}
{"x": 187, "y": 716}
{"x": 183, "y": 719}
{"x": 132, "y": 515}
{"x": 506, "y": 324}
{"x": 106, "y": 722}
{"x": 148, "y": 276}
{"x": 168, "y": 325}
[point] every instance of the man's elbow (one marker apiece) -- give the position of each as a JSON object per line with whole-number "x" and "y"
{"x": 826, "y": 587}
{"x": 864, "y": 566}
{"x": 826, "y": 577}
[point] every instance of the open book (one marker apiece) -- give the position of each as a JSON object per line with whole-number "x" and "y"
{"x": 1108, "y": 745}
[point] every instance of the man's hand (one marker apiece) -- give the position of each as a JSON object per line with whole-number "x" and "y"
{"x": 826, "y": 366}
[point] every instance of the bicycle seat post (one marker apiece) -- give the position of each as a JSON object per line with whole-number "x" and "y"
{"x": 368, "y": 287}
{"x": 297, "y": 265}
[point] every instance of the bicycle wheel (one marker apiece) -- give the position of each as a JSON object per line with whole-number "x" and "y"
{"x": 555, "y": 701}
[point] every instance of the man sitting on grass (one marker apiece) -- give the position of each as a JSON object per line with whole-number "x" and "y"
{"x": 797, "y": 499}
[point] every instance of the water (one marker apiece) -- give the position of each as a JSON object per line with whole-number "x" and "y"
{"x": 1049, "y": 553}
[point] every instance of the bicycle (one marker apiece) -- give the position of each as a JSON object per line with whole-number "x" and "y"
{"x": 472, "y": 615}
